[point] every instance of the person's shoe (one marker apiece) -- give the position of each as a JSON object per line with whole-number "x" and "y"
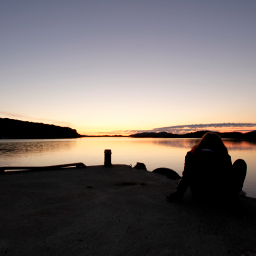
{"x": 242, "y": 193}
{"x": 173, "y": 197}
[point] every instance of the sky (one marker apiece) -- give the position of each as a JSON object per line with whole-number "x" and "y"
{"x": 125, "y": 66}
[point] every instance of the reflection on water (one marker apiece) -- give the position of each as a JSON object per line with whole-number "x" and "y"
{"x": 154, "y": 152}
{"x": 178, "y": 143}
{"x": 26, "y": 152}
{"x": 189, "y": 143}
{"x": 240, "y": 144}
{"x": 23, "y": 147}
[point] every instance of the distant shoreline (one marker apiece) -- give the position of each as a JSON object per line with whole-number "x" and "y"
{"x": 199, "y": 134}
{"x": 196, "y": 135}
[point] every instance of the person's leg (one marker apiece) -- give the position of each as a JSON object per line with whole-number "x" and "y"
{"x": 239, "y": 170}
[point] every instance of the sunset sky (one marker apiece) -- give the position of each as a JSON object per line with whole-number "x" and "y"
{"x": 126, "y": 66}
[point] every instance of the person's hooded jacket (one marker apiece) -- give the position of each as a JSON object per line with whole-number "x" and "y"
{"x": 208, "y": 174}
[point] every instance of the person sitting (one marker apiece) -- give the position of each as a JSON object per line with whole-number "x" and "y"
{"x": 209, "y": 173}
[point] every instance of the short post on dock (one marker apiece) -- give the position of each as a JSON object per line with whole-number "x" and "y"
{"x": 107, "y": 158}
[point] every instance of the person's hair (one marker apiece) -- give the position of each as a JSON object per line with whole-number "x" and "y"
{"x": 211, "y": 141}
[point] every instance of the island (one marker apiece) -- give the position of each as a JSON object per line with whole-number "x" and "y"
{"x": 17, "y": 129}
{"x": 199, "y": 134}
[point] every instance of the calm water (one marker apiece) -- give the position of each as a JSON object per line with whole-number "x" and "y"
{"x": 153, "y": 153}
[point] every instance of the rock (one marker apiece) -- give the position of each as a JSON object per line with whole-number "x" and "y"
{"x": 140, "y": 166}
{"x": 169, "y": 173}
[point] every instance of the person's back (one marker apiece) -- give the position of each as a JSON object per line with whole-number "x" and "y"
{"x": 209, "y": 173}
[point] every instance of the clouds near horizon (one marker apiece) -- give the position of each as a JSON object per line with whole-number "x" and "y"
{"x": 181, "y": 129}
{"x": 175, "y": 129}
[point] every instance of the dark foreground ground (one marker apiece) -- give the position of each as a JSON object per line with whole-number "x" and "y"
{"x": 114, "y": 211}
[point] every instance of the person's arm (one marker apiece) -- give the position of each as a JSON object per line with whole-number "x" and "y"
{"x": 184, "y": 181}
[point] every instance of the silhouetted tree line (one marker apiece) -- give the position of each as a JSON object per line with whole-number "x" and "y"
{"x": 199, "y": 134}
{"x": 16, "y": 129}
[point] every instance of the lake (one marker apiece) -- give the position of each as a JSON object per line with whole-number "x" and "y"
{"x": 153, "y": 152}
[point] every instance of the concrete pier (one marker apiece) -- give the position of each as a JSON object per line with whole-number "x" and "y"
{"x": 114, "y": 211}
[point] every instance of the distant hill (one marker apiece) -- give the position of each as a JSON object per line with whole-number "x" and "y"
{"x": 199, "y": 134}
{"x": 16, "y": 129}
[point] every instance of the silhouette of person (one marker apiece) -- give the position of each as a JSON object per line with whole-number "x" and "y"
{"x": 209, "y": 173}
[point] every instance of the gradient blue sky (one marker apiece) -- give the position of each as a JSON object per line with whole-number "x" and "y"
{"x": 108, "y": 66}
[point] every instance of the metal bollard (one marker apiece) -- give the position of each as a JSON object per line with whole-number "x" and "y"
{"x": 107, "y": 160}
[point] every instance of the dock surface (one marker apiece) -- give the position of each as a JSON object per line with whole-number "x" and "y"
{"x": 114, "y": 211}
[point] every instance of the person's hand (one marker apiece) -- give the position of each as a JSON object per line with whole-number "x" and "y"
{"x": 174, "y": 197}
{"x": 242, "y": 212}
{"x": 245, "y": 217}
